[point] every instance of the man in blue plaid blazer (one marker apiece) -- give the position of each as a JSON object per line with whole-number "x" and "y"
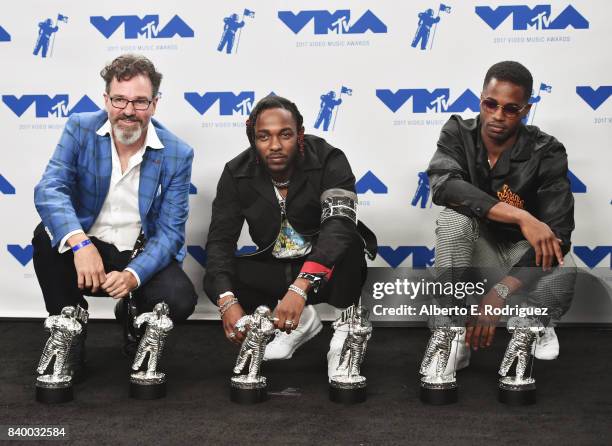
{"x": 114, "y": 174}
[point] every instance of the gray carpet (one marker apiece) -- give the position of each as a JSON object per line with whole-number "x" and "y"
{"x": 574, "y": 394}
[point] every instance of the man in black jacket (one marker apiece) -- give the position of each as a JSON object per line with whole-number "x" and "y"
{"x": 508, "y": 205}
{"x": 297, "y": 194}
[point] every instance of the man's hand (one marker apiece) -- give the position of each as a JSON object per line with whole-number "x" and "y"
{"x": 481, "y": 329}
{"x": 229, "y": 319}
{"x": 88, "y": 264}
{"x": 546, "y": 245}
{"x": 119, "y": 284}
{"x": 290, "y": 307}
{"x": 539, "y": 235}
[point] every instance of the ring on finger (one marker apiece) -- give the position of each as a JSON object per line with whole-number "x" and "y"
{"x": 232, "y": 335}
{"x": 289, "y": 322}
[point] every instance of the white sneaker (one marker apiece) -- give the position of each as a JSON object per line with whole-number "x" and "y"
{"x": 335, "y": 348}
{"x": 547, "y": 345}
{"x": 284, "y": 345}
{"x": 459, "y": 352}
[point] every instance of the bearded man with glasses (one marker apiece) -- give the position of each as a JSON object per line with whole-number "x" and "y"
{"x": 508, "y": 207}
{"x": 116, "y": 176}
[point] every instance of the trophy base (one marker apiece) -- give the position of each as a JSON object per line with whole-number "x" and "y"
{"x": 147, "y": 386}
{"x": 50, "y": 391}
{"x": 438, "y": 393}
{"x": 347, "y": 390}
{"x": 515, "y": 393}
{"x": 248, "y": 391}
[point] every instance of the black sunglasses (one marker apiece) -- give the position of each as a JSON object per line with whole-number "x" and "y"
{"x": 510, "y": 110}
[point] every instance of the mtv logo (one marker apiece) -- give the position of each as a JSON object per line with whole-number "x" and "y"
{"x": 336, "y": 22}
{"x": 229, "y": 103}
{"x": 23, "y": 255}
{"x": 525, "y": 17}
{"x": 200, "y": 254}
{"x": 594, "y": 97}
{"x": 425, "y": 101}
{"x": 370, "y": 182}
{"x": 46, "y": 106}
{"x": 147, "y": 27}
{"x": 578, "y": 187}
{"x": 5, "y": 187}
{"x": 4, "y": 36}
{"x": 422, "y": 256}
{"x": 593, "y": 257}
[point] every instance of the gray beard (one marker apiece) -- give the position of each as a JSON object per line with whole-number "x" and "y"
{"x": 127, "y": 137}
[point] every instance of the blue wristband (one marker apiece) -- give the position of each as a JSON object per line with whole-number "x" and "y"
{"x": 84, "y": 243}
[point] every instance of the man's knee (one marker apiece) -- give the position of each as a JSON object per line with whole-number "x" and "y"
{"x": 183, "y": 301}
{"x": 451, "y": 224}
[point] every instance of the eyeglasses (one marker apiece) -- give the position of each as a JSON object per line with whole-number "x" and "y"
{"x": 138, "y": 104}
{"x": 509, "y": 110}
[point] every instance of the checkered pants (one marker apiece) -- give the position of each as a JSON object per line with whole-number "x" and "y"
{"x": 463, "y": 246}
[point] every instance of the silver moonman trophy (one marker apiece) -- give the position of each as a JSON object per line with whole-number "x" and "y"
{"x": 57, "y": 387}
{"x": 437, "y": 387}
{"x": 150, "y": 384}
{"x": 520, "y": 389}
{"x": 259, "y": 328}
{"x": 348, "y": 386}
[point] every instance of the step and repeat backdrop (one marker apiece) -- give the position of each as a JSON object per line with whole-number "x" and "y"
{"x": 377, "y": 79}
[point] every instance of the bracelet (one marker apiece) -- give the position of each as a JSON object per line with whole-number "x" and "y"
{"x": 227, "y": 305}
{"x": 84, "y": 243}
{"x": 299, "y": 291}
{"x": 315, "y": 281}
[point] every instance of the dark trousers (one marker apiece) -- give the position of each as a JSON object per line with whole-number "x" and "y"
{"x": 58, "y": 279}
{"x": 262, "y": 279}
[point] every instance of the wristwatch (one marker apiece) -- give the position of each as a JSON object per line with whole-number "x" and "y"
{"x": 502, "y": 290}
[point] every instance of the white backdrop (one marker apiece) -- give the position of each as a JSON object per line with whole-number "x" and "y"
{"x": 299, "y": 49}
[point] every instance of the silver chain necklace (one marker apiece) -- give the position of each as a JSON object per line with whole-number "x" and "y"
{"x": 281, "y": 184}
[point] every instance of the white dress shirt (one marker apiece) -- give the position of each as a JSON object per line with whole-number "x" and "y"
{"x": 118, "y": 222}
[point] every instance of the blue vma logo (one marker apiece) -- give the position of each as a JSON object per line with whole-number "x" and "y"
{"x": 147, "y": 27}
{"x": 421, "y": 195}
{"x": 233, "y": 25}
{"x": 422, "y": 256}
{"x": 6, "y": 188}
{"x": 230, "y": 104}
{"x": 425, "y": 101}
{"x": 539, "y": 17}
{"x": 370, "y": 183}
{"x": 338, "y": 22}
{"x": 534, "y": 100}
{"x": 4, "y": 35}
{"x": 46, "y": 106}
{"x": 22, "y": 255}
{"x": 594, "y": 97}
{"x": 46, "y": 34}
{"x": 329, "y": 102}
{"x": 200, "y": 255}
{"x": 427, "y": 21}
{"x": 593, "y": 257}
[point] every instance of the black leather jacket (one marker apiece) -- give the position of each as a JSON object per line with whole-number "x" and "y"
{"x": 532, "y": 175}
{"x": 245, "y": 192}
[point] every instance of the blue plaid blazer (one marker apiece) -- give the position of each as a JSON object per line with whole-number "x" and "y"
{"x": 77, "y": 179}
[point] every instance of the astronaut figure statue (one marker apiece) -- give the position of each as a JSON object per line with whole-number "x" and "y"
{"x": 150, "y": 384}
{"x": 439, "y": 388}
{"x": 63, "y": 328}
{"x": 355, "y": 345}
{"x": 57, "y": 387}
{"x": 439, "y": 349}
{"x": 519, "y": 389}
{"x": 348, "y": 386}
{"x": 260, "y": 329}
{"x": 251, "y": 388}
